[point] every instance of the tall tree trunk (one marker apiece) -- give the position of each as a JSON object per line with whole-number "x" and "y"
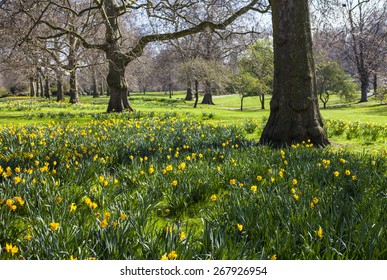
{"x": 196, "y": 93}
{"x": 189, "y": 96}
{"x": 375, "y": 84}
{"x": 170, "y": 87}
{"x": 37, "y": 85}
{"x": 242, "y": 102}
{"x": 32, "y": 87}
{"x": 59, "y": 92}
{"x": 74, "y": 94}
{"x": 72, "y": 65}
{"x": 41, "y": 87}
{"x": 262, "y": 100}
{"x": 294, "y": 113}
{"x": 101, "y": 89}
{"x": 95, "y": 87}
{"x": 118, "y": 87}
{"x": 47, "y": 93}
{"x": 365, "y": 83}
{"x": 207, "y": 99}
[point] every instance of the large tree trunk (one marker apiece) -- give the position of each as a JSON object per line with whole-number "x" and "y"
{"x": 294, "y": 114}
{"x": 207, "y": 99}
{"x": 375, "y": 84}
{"x": 47, "y": 93}
{"x": 41, "y": 87}
{"x": 59, "y": 92}
{"x": 189, "y": 96}
{"x": 32, "y": 87}
{"x": 365, "y": 82}
{"x": 37, "y": 85}
{"x": 74, "y": 94}
{"x": 95, "y": 87}
{"x": 118, "y": 87}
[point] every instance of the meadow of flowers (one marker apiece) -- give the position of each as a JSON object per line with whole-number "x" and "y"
{"x": 160, "y": 186}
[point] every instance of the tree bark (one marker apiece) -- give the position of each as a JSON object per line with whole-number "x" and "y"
{"x": 37, "y": 92}
{"x": 375, "y": 84}
{"x": 59, "y": 92}
{"x": 207, "y": 99}
{"x": 196, "y": 93}
{"x": 32, "y": 87}
{"x": 118, "y": 87}
{"x": 74, "y": 94}
{"x": 41, "y": 87}
{"x": 365, "y": 83}
{"x": 294, "y": 114}
{"x": 262, "y": 100}
{"x": 47, "y": 93}
{"x": 189, "y": 96}
{"x": 95, "y": 87}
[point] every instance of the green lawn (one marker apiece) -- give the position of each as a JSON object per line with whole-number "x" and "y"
{"x": 19, "y": 110}
{"x": 173, "y": 182}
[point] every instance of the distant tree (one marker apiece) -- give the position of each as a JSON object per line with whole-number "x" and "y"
{"x": 173, "y": 19}
{"x": 259, "y": 62}
{"x": 203, "y": 71}
{"x": 244, "y": 84}
{"x": 381, "y": 95}
{"x": 355, "y": 34}
{"x": 331, "y": 79}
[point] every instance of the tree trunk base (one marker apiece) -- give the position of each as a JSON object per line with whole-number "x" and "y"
{"x": 189, "y": 96}
{"x": 207, "y": 99}
{"x": 283, "y": 130}
{"x": 119, "y": 103}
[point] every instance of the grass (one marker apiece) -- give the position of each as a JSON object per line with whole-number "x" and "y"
{"x": 170, "y": 182}
{"x": 22, "y": 111}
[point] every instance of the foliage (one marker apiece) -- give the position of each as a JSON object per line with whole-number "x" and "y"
{"x": 205, "y": 71}
{"x": 381, "y": 95}
{"x": 365, "y": 131}
{"x": 331, "y": 79}
{"x": 245, "y": 84}
{"x": 152, "y": 186}
{"x": 3, "y": 91}
{"x": 259, "y": 63}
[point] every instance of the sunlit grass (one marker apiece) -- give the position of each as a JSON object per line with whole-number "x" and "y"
{"x": 181, "y": 185}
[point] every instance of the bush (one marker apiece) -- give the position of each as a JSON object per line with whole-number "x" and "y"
{"x": 3, "y": 92}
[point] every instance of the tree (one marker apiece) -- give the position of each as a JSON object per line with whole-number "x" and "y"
{"x": 332, "y": 79}
{"x": 294, "y": 113}
{"x": 120, "y": 55}
{"x": 244, "y": 84}
{"x": 199, "y": 70}
{"x": 259, "y": 62}
{"x": 365, "y": 44}
{"x": 355, "y": 33}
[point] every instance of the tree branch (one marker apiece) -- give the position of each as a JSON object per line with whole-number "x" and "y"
{"x": 143, "y": 41}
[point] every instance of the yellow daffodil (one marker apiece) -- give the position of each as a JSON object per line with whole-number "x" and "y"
{"x": 319, "y": 233}
{"x": 54, "y": 226}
